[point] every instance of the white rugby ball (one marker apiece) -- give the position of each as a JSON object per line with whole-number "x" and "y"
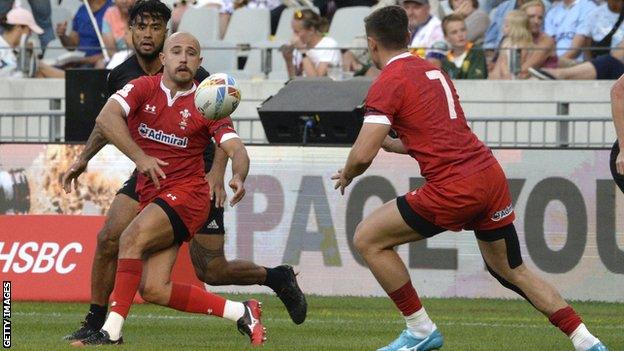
{"x": 217, "y": 96}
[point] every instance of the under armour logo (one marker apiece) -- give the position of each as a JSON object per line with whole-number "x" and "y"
{"x": 172, "y": 197}
{"x": 150, "y": 108}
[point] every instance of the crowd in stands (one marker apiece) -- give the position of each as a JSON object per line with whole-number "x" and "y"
{"x": 469, "y": 39}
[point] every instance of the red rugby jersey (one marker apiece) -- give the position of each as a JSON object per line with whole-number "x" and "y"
{"x": 171, "y": 129}
{"x": 420, "y": 103}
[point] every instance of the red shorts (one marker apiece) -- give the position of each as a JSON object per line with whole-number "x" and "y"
{"x": 187, "y": 205}
{"x": 480, "y": 201}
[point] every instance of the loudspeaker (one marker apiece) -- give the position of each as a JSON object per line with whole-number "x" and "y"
{"x": 315, "y": 111}
{"x": 85, "y": 95}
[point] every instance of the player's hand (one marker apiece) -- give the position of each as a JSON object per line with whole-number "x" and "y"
{"x": 150, "y": 166}
{"x": 61, "y": 29}
{"x": 72, "y": 175}
{"x": 217, "y": 190}
{"x": 238, "y": 186}
{"x": 341, "y": 181}
{"x": 619, "y": 163}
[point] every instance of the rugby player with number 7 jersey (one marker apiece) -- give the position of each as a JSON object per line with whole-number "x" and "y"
{"x": 166, "y": 143}
{"x": 465, "y": 187}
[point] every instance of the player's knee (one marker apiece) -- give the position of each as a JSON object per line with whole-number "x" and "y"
{"x": 154, "y": 293}
{"x": 360, "y": 240}
{"x": 108, "y": 242}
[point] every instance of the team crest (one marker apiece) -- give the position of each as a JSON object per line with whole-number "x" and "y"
{"x": 185, "y": 115}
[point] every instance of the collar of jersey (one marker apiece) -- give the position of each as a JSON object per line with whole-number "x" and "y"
{"x": 167, "y": 91}
{"x": 398, "y": 57}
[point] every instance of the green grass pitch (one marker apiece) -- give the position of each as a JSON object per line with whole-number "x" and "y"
{"x": 333, "y": 323}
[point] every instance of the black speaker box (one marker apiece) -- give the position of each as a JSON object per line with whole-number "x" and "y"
{"x": 315, "y": 111}
{"x": 85, "y": 95}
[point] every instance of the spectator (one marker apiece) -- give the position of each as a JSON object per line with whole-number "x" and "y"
{"x": 602, "y": 67}
{"x": 464, "y": 60}
{"x": 603, "y": 27}
{"x": 425, "y": 28}
{"x": 180, "y": 7}
{"x": 115, "y": 26}
{"x": 494, "y": 34}
{"x": 543, "y": 54}
{"x": 517, "y": 41}
{"x": 310, "y": 54}
{"x": 477, "y": 21}
{"x": 563, "y": 23}
{"x": 42, "y": 10}
{"x": 275, "y": 6}
{"x": 83, "y": 36}
{"x": 17, "y": 23}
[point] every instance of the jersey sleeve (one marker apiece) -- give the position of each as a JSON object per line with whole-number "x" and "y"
{"x": 222, "y": 130}
{"x": 383, "y": 101}
{"x": 132, "y": 95}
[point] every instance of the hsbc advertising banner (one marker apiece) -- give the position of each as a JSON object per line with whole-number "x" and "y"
{"x": 569, "y": 220}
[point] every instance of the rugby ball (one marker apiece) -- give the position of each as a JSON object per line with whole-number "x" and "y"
{"x": 217, "y": 96}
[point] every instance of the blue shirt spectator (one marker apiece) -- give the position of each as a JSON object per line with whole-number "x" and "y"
{"x": 82, "y": 25}
{"x": 563, "y": 22}
{"x": 599, "y": 23}
{"x": 494, "y": 33}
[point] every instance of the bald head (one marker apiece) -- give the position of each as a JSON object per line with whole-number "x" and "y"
{"x": 181, "y": 58}
{"x": 182, "y": 39}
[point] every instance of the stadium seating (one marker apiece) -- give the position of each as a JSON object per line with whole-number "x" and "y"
{"x": 203, "y": 22}
{"x": 347, "y": 24}
{"x": 284, "y": 32}
{"x": 248, "y": 26}
{"x": 219, "y": 56}
{"x": 61, "y": 14}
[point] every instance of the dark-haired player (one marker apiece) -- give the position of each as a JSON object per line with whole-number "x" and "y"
{"x": 148, "y": 20}
{"x": 465, "y": 187}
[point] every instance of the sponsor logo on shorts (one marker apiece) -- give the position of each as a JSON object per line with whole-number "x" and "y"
{"x": 162, "y": 137}
{"x": 212, "y": 225}
{"x": 498, "y": 215}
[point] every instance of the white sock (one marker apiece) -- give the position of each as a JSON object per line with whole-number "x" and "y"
{"x": 233, "y": 310}
{"x": 419, "y": 323}
{"x": 582, "y": 339}
{"x": 113, "y": 325}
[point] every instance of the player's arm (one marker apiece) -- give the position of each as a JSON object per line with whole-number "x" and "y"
{"x": 393, "y": 145}
{"x": 215, "y": 177}
{"x": 112, "y": 123}
{"x": 617, "y": 110}
{"x": 95, "y": 143}
{"x": 237, "y": 152}
{"x": 362, "y": 153}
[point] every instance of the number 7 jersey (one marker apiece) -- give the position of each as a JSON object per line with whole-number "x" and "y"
{"x": 420, "y": 103}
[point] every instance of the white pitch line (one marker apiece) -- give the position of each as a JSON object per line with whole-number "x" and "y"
{"x": 316, "y": 321}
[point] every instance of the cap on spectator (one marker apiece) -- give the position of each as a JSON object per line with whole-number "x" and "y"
{"x": 20, "y": 16}
{"x": 422, "y": 2}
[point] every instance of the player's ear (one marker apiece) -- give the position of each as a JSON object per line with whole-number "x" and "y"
{"x": 372, "y": 44}
{"x": 162, "y": 58}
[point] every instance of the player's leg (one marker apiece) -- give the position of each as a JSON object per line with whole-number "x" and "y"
{"x": 149, "y": 232}
{"x": 375, "y": 239}
{"x": 501, "y": 251}
{"x": 618, "y": 178}
{"x": 156, "y": 287}
{"x": 121, "y": 212}
{"x": 212, "y": 267}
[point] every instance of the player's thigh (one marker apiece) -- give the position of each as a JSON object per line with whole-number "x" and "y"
{"x": 385, "y": 228}
{"x": 150, "y": 231}
{"x": 121, "y": 212}
{"x": 500, "y": 249}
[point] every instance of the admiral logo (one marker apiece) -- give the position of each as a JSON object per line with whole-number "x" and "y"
{"x": 150, "y": 109}
{"x": 498, "y": 215}
{"x": 162, "y": 137}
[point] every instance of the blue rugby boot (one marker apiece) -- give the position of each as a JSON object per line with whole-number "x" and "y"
{"x": 598, "y": 347}
{"x": 408, "y": 342}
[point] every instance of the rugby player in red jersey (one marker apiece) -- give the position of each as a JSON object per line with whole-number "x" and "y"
{"x": 167, "y": 142}
{"x": 465, "y": 187}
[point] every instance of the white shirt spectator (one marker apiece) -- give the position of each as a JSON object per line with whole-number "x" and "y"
{"x": 8, "y": 61}
{"x": 563, "y": 22}
{"x": 599, "y": 23}
{"x": 323, "y": 52}
{"x": 228, "y": 5}
{"x": 428, "y": 34}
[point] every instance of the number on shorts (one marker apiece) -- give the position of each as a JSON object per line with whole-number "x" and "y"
{"x": 433, "y": 75}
